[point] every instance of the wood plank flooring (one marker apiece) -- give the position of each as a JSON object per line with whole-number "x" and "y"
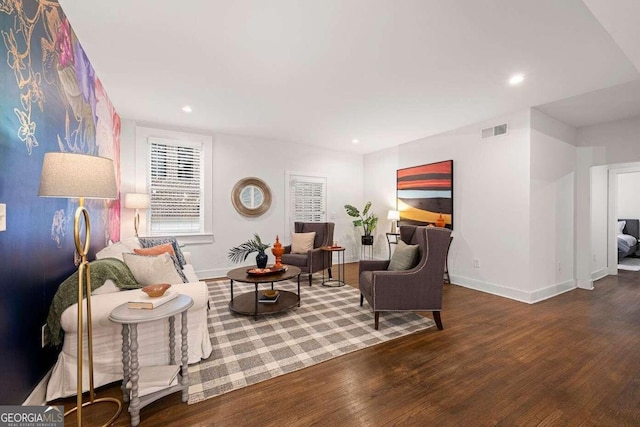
{"x": 573, "y": 360}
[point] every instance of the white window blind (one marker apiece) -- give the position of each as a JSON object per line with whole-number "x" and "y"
{"x": 175, "y": 186}
{"x": 308, "y": 198}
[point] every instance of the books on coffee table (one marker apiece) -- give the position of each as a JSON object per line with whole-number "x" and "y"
{"x": 266, "y": 300}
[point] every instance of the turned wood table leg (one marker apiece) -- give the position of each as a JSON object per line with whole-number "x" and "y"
{"x": 172, "y": 340}
{"x": 125, "y": 362}
{"x": 185, "y": 358}
{"x": 134, "y": 406}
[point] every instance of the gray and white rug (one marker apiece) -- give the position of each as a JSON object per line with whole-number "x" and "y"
{"x": 631, "y": 264}
{"x": 329, "y": 323}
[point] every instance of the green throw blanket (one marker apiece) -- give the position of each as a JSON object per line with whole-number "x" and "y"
{"x": 67, "y": 293}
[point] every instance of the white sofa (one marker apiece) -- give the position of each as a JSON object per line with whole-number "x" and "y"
{"x": 153, "y": 337}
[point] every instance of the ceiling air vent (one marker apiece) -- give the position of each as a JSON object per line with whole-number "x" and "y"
{"x": 494, "y": 131}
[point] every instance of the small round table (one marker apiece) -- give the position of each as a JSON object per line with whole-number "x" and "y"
{"x": 249, "y": 304}
{"x": 328, "y": 251}
{"x": 129, "y": 318}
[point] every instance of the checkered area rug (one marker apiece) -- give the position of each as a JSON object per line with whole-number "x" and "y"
{"x": 329, "y": 323}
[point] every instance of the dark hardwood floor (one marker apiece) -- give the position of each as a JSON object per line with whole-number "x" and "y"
{"x": 571, "y": 360}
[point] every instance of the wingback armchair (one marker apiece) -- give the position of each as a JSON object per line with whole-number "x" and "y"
{"x": 416, "y": 289}
{"x": 315, "y": 259}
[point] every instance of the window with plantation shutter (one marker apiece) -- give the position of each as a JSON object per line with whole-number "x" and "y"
{"x": 175, "y": 187}
{"x": 307, "y": 199}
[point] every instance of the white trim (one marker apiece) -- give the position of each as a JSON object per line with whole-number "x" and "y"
{"x": 599, "y": 274}
{"x": 288, "y": 225}
{"x": 142, "y": 135}
{"x": 514, "y": 294}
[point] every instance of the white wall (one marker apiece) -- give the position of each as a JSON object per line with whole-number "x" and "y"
{"x": 491, "y": 200}
{"x": 629, "y": 195}
{"x": 599, "y": 213}
{"x": 553, "y": 163}
{"x": 236, "y": 157}
{"x": 614, "y": 144}
{"x": 380, "y": 188}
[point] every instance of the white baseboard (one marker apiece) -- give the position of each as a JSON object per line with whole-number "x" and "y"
{"x": 599, "y": 274}
{"x": 38, "y": 396}
{"x": 515, "y": 294}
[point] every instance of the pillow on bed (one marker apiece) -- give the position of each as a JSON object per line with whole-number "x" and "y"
{"x": 621, "y": 225}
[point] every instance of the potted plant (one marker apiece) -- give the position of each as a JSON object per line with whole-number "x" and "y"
{"x": 367, "y": 220}
{"x": 241, "y": 252}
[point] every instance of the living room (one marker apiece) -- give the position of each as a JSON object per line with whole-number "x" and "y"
{"x": 522, "y": 200}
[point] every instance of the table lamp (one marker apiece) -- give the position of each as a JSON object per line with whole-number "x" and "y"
{"x": 394, "y": 216}
{"x": 136, "y": 201}
{"x": 72, "y": 175}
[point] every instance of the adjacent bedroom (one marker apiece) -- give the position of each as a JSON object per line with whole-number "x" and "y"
{"x": 628, "y": 227}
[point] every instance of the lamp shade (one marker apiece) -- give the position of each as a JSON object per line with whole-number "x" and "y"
{"x": 393, "y": 215}
{"x": 136, "y": 201}
{"x": 71, "y": 175}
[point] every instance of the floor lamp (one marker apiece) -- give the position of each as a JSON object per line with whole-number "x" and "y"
{"x": 136, "y": 201}
{"x": 71, "y": 175}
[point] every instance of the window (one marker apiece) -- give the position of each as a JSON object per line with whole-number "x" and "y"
{"x": 307, "y": 199}
{"x": 175, "y": 186}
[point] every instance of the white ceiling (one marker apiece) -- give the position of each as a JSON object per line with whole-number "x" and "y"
{"x": 386, "y": 72}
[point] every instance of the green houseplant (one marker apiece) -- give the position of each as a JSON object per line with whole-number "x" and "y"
{"x": 367, "y": 220}
{"x": 241, "y": 252}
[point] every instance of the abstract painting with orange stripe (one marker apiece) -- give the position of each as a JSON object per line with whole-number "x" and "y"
{"x": 426, "y": 192}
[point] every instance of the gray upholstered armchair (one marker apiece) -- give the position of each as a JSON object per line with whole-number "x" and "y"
{"x": 416, "y": 289}
{"x": 315, "y": 259}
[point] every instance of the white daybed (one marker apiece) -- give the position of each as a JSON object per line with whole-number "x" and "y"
{"x": 153, "y": 337}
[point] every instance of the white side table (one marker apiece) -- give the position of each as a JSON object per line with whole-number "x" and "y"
{"x": 129, "y": 318}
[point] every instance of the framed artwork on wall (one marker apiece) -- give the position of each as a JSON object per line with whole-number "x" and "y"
{"x": 425, "y": 194}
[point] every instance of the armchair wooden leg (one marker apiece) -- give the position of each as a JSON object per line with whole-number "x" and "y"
{"x": 438, "y": 320}
{"x": 310, "y": 277}
{"x": 376, "y": 316}
{"x": 361, "y": 300}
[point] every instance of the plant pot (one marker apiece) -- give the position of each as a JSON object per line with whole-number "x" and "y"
{"x": 261, "y": 260}
{"x": 367, "y": 240}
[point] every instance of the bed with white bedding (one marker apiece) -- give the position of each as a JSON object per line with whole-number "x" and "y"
{"x": 628, "y": 234}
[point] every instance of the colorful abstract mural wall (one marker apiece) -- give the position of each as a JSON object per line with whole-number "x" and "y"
{"x": 425, "y": 193}
{"x": 50, "y": 100}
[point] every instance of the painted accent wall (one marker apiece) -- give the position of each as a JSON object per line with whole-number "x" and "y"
{"x": 50, "y": 100}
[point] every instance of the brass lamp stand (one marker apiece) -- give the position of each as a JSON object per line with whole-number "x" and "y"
{"x": 73, "y": 175}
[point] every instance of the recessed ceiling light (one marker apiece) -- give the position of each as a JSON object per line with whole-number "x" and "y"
{"x": 187, "y": 109}
{"x": 355, "y": 141}
{"x": 516, "y": 79}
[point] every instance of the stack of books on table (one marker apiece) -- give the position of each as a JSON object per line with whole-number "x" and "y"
{"x": 145, "y": 302}
{"x": 156, "y": 378}
{"x": 268, "y": 300}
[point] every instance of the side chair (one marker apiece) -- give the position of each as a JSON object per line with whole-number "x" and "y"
{"x": 417, "y": 289}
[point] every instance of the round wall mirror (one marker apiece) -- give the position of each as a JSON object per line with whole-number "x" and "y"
{"x": 251, "y": 197}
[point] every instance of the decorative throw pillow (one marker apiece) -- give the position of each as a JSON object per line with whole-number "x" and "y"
{"x": 301, "y": 243}
{"x": 166, "y": 248}
{"x": 115, "y": 250}
{"x": 152, "y": 269}
{"x": 149, "y": 242}
{"x": 621, "y": 225}
{"x": 404, "y": 257}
